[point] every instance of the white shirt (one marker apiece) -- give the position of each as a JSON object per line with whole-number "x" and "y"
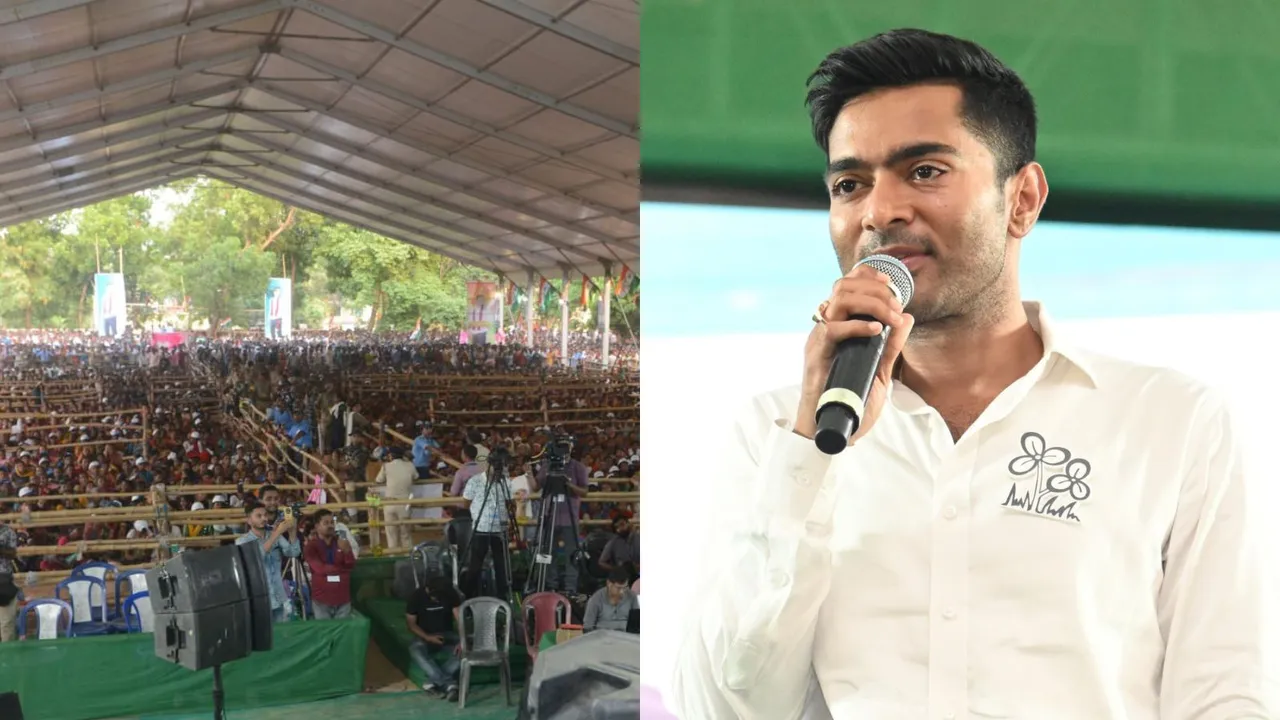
{"x": 900, "y": 578}
{"x": 399, "y": 476}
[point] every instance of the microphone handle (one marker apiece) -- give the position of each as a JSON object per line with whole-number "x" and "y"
{"x": 841, "y": 407}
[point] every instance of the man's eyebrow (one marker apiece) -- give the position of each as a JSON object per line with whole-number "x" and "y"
{"x": 898, "y": 156}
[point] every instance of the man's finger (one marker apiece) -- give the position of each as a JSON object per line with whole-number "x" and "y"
{"x": 897, "y": 340}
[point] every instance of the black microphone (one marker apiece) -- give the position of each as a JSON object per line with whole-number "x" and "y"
{"x": 841, "y": 406}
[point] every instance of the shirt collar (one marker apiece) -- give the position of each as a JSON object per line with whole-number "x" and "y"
{"x": 1055, "y": 346}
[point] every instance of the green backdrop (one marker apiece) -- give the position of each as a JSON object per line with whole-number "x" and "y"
{"x": 1151, "y": 111}
{"x": 119, "y": 675}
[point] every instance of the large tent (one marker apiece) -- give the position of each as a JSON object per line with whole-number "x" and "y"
{"x": 501, "y": 133}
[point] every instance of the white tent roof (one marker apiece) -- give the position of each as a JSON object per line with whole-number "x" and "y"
{"x": 502, "y": 133}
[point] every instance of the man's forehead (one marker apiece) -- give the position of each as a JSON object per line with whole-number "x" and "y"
{"x": 873, "y": 125}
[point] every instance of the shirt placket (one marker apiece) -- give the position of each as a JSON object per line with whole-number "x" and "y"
{"x": 949, "y": 577}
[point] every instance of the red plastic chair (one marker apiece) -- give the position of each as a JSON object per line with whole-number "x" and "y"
{"x": 545, "y": 607}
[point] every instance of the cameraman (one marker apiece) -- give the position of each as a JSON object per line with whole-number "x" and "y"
{"x": 488, "y": 493}
{"x": 565, "y": 541}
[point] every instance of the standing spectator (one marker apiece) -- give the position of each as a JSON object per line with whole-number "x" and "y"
{"x": 275, "y": 547}
{"x": 397, "y": 476}
{"x": 566, "y": 519}
{"x": 10, "y": 595}
{"x": 422, "y": 447}
{"x": 331, "y": 560}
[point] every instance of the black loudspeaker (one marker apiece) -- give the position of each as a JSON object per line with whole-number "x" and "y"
{"x": 592, "y": 677}
{"x": 211, "y": 606}
{"x": 10, "y": 708}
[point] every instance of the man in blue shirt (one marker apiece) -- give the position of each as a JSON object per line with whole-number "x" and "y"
{"x": 276, "y": 545}
{"x": 422, "y": 447}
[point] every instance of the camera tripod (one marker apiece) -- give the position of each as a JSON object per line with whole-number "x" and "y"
{"x": 495, "y": 475}
{"x": 555, "y": 491}
{"x": 295, "y": 568}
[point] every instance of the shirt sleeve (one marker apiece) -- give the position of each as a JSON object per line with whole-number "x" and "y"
{"x": 289, "y": 548}
{"x": 747, "y": 652}
{"x": 1211, "y": 604}
{"x": 591, "y": 616}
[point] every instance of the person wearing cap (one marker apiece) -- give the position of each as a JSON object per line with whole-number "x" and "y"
{"x": 397, "y": 478}
{"x": 422, "y": 447}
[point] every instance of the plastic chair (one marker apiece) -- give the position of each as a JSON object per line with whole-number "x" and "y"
{"x": 138, "y": 615}
{"x": 488, "y": 644}
{"x": 549, "y": 611}
{"x": 52, "y": 616}
{"x": 431, "y": 559}
{"x": 87, "y": 616}
{"x": 98, "y": 570}
{"x": 137, "y": 582}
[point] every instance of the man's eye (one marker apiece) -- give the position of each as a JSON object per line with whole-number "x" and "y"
{"x": 927, "y": 172}
{"x": 844, "y": 187}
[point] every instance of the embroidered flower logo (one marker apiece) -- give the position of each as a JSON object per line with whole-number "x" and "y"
{"x": 1057, "y": 496}
{"x": 1071, "y": 479}
{"x": 1037, "y": 456}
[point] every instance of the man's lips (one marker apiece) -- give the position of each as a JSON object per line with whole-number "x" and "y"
{"x": 913, "y": 258}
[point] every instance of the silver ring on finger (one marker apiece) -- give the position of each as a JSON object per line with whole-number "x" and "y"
{"x": 820, "y": 317}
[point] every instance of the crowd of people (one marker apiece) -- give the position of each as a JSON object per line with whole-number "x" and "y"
{"x": 138, "y": 416}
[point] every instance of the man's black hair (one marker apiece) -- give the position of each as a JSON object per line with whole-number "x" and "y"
{"x": 262, "y": 491}
{"x": 619, "y": 576}
{"x": 996, "y": 105}
{"x": 252, "y": 505}
{"x": 469, "y": 452}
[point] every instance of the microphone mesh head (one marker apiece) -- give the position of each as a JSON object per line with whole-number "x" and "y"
{"x": 899, "y": 275}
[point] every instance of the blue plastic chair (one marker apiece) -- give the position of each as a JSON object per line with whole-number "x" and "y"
{"x": 88, "y": 617}
{"x": 137, "y": 580}
{"x": 138, "y": 616}
{"x": 100, "y": 570}
{"x": 52, "y": 617}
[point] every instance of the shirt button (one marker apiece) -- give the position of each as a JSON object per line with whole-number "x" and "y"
{"x": 802, "y": 480}
{"x": 949, "y": 614}
{"x": 778, "y": 579}
{"x": 949, "y": 513}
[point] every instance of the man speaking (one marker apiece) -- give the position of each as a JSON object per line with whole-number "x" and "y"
{"x": 1019, "y": 528}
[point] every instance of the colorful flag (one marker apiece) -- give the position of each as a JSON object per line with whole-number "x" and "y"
{"x": 586, "y": 289}
{"x": 417, "y": 329}
{"x": 620, "y": 287}
{"x": 511, "y": 293}
{"x": 549, "y": 296}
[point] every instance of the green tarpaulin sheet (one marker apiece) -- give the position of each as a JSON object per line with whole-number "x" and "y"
{"x": 120, "y": 675}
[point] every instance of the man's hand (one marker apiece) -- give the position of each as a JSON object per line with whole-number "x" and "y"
{"x": 344, "y": 546}
{"x": 435, "y": 639}
{"x": 864, "y": 291}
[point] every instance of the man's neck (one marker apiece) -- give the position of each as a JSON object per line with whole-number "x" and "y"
{"x": 974, "y": 362}
{"x": 260, "y": 532}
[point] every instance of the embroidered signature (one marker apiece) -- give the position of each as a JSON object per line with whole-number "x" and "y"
{"x": 1056, "y": 496}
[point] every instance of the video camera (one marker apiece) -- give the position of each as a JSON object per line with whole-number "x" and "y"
{"x": 558, "y": 450}
{"x": 556, "y": 454}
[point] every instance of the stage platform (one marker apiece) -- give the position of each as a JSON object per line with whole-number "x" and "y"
{"x": 120, "y": 676}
